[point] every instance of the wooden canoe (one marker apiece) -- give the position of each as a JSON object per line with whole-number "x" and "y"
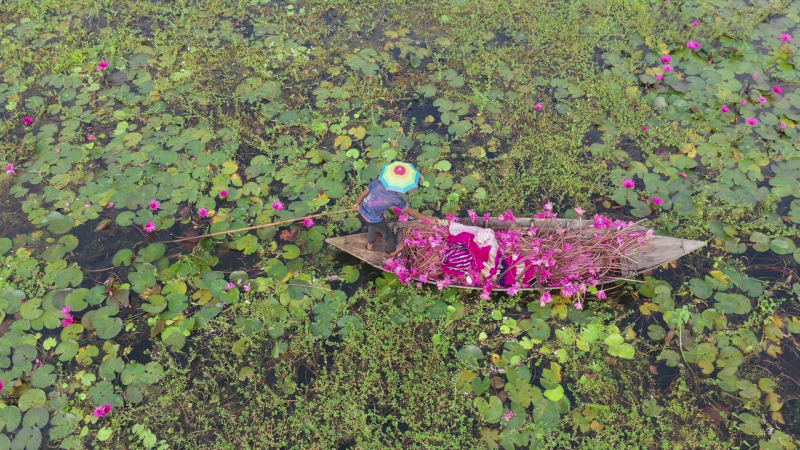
{"x": 657, "y": 251}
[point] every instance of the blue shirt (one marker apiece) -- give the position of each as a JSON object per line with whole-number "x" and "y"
{"x": 378, "y": 200}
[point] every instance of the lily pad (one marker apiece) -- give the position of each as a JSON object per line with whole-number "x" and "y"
{"x": 732, "y": 303}
{"x": 5, "y": 245}
{"x": 173, "y": 338}
{"x": 36, "y": 417}
{"x": 470, "y": 354}
{"x": 782, "y": 245}
{"x": 31, "y": 398}
{"x": 43, "y": 376}
{"x": 28, "y": 438}
{"x": 10, "y": 417}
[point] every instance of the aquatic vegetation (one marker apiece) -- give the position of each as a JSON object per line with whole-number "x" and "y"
{"x": 125, "y": 127}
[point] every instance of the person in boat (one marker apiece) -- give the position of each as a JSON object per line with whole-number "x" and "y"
{"x": 384, "y": 193}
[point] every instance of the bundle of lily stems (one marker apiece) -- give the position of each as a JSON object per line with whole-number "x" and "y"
{"x": 548, "y": 256}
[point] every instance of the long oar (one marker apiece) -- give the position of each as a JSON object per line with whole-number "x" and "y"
{"x": 271, "y": 224}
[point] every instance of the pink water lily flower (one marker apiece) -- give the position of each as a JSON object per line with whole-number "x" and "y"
{"x": 90, "y": 137}
{"x": 786, "y": 37}
{"x": 657, "y": 200}
{"x": 1, "y": 385}
{"x": 666, "y": 59}
{"x": 223, "y": 193}
{"x": 628, "y": 183}
{"x": 696, "y": 23}
{"x": 725, "y": 109}
{"x": 155, "y": 205}
{"x": 667, "y": 68}
{"x": 692, "y": 45}
{"x": 246, "y": 287}
{"x": 762, "y": 100}
{"x": 744, "y": 101}
{"x": 601, "y": 295}
{"x": 277, "y": 205}
{"x": 752, "y": 121}
{"x": 68, "y": 320}
{"x": 645, "y": 128}
{"x": 203, "y": 213}
{"x": 579, "y": 211}
{"x": 229, "y": 286}
{"x": 545, "y": 298}
{"x": 472, "y": 215}
{"x": 538, "y": 106}
{"x": 578, "y": 306}
{"x": 507, "y": 216}
{"x": 66, "y": 310}
{"x": 659, "y": 76}
{"x": 10, "y": 169}
{"x": 509, "y": 415}
{"x": 308, "y": 222}
{"x": 755, "y": 75}
{"x": 101, "y": 411}
{"x": 28, "y": 120}
{"x": 783, "y": 125}
{"x": 102, "y": 65}
{"x": 777, "y": 89}
{"x": 149, "y": 227}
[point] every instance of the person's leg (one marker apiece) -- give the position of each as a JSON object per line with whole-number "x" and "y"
{"x": 372, "y": 235}
{"x": 388, "y": 236}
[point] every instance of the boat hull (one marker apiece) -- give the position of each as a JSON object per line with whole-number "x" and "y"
{"x": 656, "y": 251}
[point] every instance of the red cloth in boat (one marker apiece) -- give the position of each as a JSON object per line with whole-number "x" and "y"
{"x": 484, "y": 258}
{"x": 457, "y": 260}
{"x": 518, "y": 266}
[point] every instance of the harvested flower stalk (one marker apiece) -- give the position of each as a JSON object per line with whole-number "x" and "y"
{"x": 548, "y": 256}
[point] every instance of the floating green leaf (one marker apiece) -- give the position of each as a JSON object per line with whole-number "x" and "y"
{"x": 173, "y": 338}
{"x": 555, "y": 394}
{"x": 31, "y": 398}
{"x": 732, "y": 303}
{"x": 349, "y": 274}
{"x": 782, "y": 245}
{"x": 10, "y": 417}
{"x": 470, "y": 354}
{"x": 152, "y": 252}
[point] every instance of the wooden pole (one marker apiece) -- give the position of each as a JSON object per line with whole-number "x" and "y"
{"x": 271, "y": 224}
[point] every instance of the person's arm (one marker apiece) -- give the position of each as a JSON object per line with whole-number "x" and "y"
{"x": 361, "y": 198}
{"x": 418, "y": 215}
